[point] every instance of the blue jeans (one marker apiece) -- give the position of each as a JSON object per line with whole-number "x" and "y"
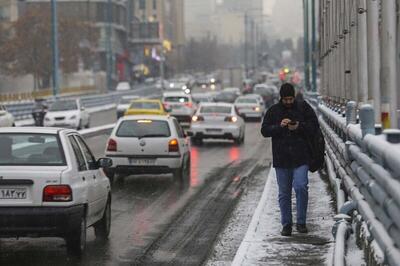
{"x": 296, "y": 178}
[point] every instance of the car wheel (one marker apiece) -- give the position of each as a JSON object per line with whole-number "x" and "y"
{"x": 178, "y": 174}
{"x": 102, "y": 228}
{"x": 79, "y": 125}
{"x": 110, "y": 173}
{"x": 197, "y": 141}
{"x": 76, "y": 240}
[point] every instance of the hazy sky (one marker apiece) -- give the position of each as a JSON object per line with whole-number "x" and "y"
{"x": 286, "y": 17}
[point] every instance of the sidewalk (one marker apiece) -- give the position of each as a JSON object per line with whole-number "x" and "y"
{"x": 263, "y": 244}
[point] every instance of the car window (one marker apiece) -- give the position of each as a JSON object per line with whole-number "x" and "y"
{"x": 246, "y": 100}
{"x": 90, "y": 159}
{"x": 143, "y": 128}
{"x": 31, "y": 149}
{"x": 216, "y": 109}
{"x": 179, "y": 129}
{"x": 78, "y": 154}
{"x": 176, "y": 99}
{"x": 145, "y": 105}
{"x": 63, "y": 106}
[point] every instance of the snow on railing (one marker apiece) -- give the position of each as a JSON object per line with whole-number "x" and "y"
{"x": 364, "y": 172}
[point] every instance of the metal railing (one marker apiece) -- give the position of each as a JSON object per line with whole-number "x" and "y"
{"x": 363, "y": 165}
{"x": 23, "y": 110}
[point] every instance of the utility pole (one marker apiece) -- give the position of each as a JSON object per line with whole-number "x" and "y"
{"x": 108, "y": 45}
{"x": 374, "y": 57}
{"x": 388, "y": 65}
{"x": 54, "y": 45}
{"x": 314, "y": 48}
{"x": 306, "y": 46}
{"x": 245, "y": 44}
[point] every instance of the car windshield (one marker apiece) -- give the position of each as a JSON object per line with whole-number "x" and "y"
{"x": 215, "y": 110}
{"x": 176, "y": 99}
{"x": 145, "y": 105}
{"x": 200, "y": 99}
{"x": 31, "y": 149}
{"x": 126, "y": 100}
{"x": 246, "y": 100}
{"x": 143, "y": 128}
{"x": 63, "y": 106}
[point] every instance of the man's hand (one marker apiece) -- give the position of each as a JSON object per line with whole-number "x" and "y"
{"x": 285, "y": 122}
{"x": 293, "y": 126}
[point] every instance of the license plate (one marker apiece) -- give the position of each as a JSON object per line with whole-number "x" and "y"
{"x": 142, "y": 161}
{"x": 12, "y": 193}
{"x": 176, "y": 106}
{"x": 213, "y": 130}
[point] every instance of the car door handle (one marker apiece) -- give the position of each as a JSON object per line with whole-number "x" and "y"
{"x": 83, "y": 178}
{"x": 94, "y": 177}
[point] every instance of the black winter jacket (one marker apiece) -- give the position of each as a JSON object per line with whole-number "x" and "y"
{"x": 290, "y": 148}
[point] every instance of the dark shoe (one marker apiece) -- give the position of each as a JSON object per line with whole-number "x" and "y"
{"x": 301, "y": 228}
{"x": 286, "y": 230}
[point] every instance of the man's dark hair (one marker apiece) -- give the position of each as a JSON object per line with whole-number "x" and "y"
{"x": 287, "y": 90}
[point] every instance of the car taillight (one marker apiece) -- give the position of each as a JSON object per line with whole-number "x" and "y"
{"x": 112, "y": 145}
{"x": 166, "y": 106}
{"x": 57, "y": 193}
{"x": 197, "y": 118}
{"x": 190, "y": 105}
{"x": 232, "y": 119}
{"x": 173, "y": 145}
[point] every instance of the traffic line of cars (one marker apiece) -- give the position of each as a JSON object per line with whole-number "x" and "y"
{"x": 51, "y": 185}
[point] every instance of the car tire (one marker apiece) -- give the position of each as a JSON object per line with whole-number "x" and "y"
{"x": 76, "y": 239}
{"x": 197, "y": 141}
{"x": 79, "y": 125}
{"x": 103, "y": 227}
{"x": 110, "y": 173}
{"x": 178, "y": 174}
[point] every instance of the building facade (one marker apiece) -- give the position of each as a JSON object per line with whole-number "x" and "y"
{"x": 157, "y": 31}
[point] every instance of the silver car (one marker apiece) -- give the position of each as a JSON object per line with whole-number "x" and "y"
{"x": 249, "y": 107}
{"x": 217, "y": 121}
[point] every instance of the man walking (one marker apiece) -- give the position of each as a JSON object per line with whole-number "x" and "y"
{"x": 289, "y": 122}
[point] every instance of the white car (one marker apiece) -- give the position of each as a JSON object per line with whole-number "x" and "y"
{"x": 123, "y": 86}
{"x": 67, "y": 114}
{"x": 180, "y": 105}
{"x": 148, "y": 144}
{"x": 250, "y": 107}
{"x": 124, "y": 104}
{"x": 202, "y": 98}
{"x": 234, "y": 90}
{"x": 217, "y": 121}
{"x": 52, "y": 185}
{"x": 6, "y": 118}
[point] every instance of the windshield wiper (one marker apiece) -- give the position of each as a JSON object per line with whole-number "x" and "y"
{"x": 152, "y": 136}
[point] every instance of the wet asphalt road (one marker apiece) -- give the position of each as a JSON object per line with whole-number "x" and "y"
{"x": 142, "y": 206}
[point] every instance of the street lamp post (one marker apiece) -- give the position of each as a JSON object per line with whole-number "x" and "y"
{"x": 54, "y": 45}
{"x": 108, "y": 45}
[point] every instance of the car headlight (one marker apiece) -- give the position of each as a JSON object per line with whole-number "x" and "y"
{"x": 73, "y": 117}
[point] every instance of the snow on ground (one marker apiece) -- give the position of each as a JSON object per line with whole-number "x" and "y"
{"x": 263, "y": 244}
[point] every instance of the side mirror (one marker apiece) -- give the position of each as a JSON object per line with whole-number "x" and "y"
{"x": 83, "y": 108}
{"x": 105, "y": 162}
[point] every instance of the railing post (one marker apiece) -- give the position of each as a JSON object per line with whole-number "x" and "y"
{"x": 351, "y": 113}
{"x": 367, "y": 117}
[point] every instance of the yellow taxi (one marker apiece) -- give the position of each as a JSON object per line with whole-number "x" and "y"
{"x": 146, "y": 107}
